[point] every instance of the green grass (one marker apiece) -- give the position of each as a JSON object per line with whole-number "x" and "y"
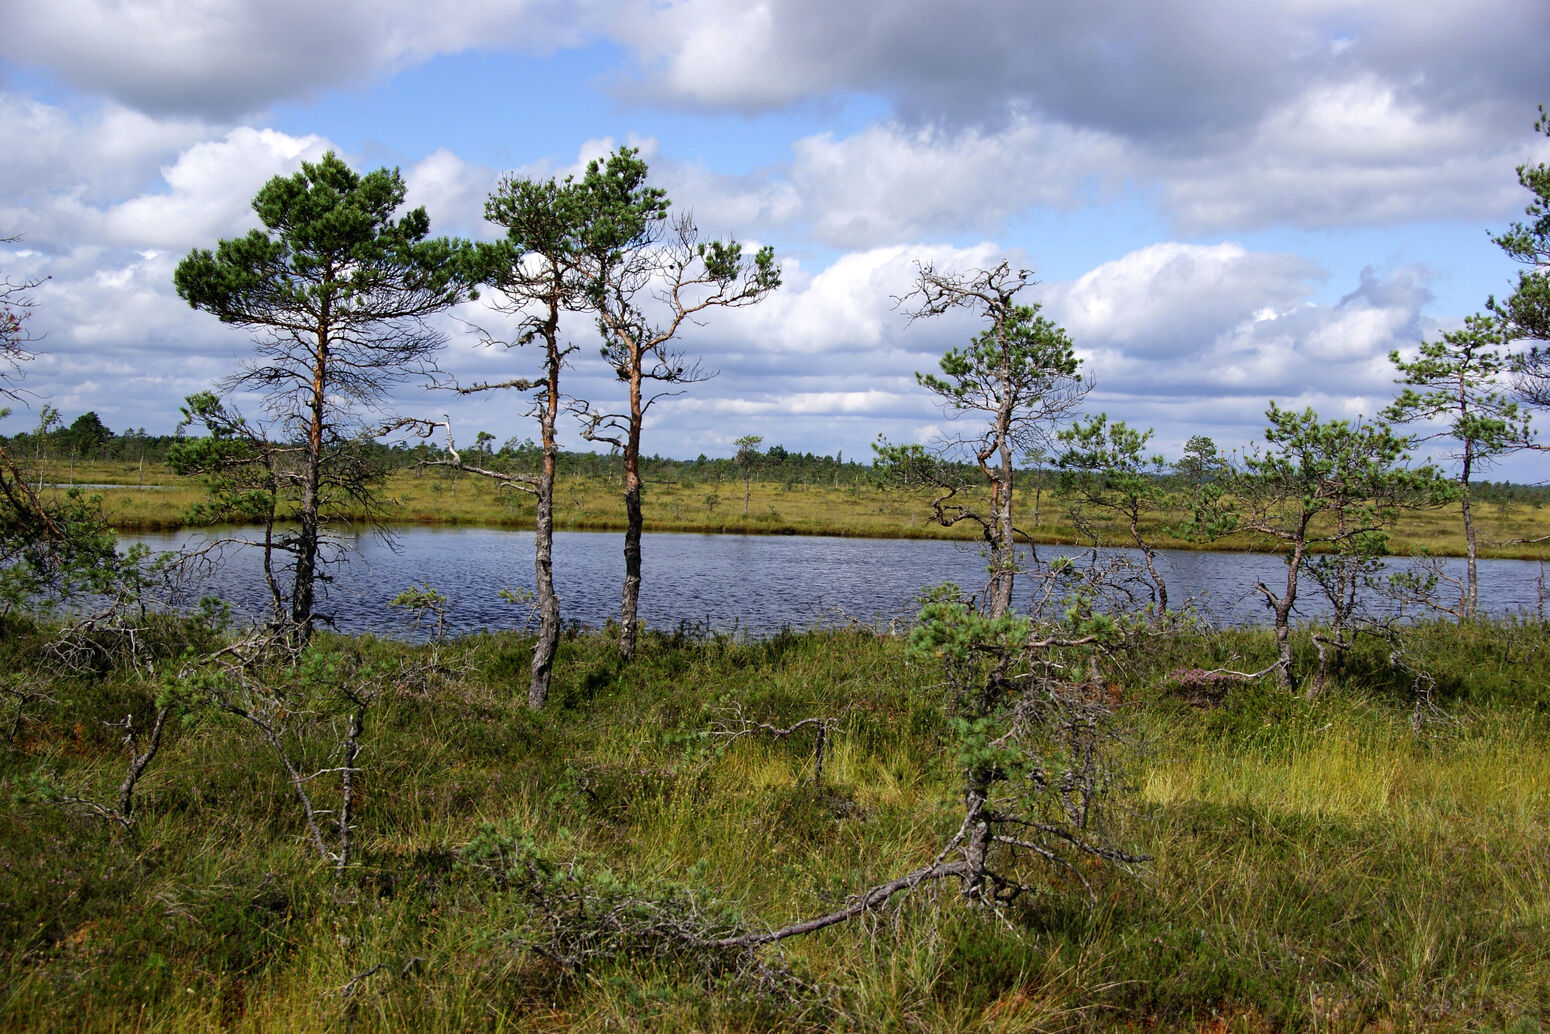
{"x": 1316, "y": 866}
{"x": 435, "y": 496}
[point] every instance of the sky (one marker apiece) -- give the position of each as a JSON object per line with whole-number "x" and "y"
{"x": 1223, "y": 203}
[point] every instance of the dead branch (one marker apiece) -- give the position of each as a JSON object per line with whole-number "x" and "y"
{"x": 123, "y": 813}
{"x": 872, "y": 898}
{"x": 824, "y": 728}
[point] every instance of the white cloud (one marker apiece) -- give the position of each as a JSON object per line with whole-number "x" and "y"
{"x": 225, "y": 59}
{"x": 890, "y": 182}
{"x": 1350, "y": 152}
{"x": 209, "y": 190}
{"x": 1169, "y": 297}
{"x": 452, "y": 192}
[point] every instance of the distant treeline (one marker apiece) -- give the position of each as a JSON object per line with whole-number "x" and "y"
{"x": 87, "y": 438}
{"x": 776, "y": 463}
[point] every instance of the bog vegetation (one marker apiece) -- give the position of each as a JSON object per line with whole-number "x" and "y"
{"x": 1373, "y": 860}
{"x": 1056, "y": 800}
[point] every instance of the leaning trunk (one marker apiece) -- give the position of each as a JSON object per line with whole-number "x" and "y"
{"x": 976, "y": 848}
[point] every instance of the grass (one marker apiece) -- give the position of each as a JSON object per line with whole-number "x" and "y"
{"x": 160, "y": 499}
{"x": 1316, "y": 866}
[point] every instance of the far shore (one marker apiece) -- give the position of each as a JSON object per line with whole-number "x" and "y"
{"x": 859, "y": 509}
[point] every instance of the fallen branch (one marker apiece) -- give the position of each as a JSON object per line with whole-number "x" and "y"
{"x": 874, "y": 897}
{"x": 824, "y": 728}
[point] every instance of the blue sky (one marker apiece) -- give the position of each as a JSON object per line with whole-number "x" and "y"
{"x": 1225, "y": 203}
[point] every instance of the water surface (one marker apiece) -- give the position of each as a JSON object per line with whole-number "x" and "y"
{"x": 750, "y": 583}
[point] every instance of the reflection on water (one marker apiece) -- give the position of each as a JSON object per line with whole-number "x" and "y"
{"x": 751, "y": 583}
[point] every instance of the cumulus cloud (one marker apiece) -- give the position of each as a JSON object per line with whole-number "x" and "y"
{"x": 1185, "y": 337}
{"x": 209, "y": 189}
{"x": 223, "y": 60}
{"x": 453, "y": 193}
{"x": 1352, "y": 152}
{"x": 1144, "y": 69}
{"x": 1279, "y": 113}
{"x": 118, "y": 341}
{"x": 890, "y": 182}
{"x": 1169, "y": 298}
{"x": 1244, "y": 116}
{"x": 117, "y": 179}
{"x": 1333, "y": 156}
{"x": 1227, "y": 117}
{"x": 1119, "y": 65}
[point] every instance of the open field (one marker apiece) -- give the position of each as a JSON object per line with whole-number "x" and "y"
{"x": 1322, "y": 866}
{"x": 159, "y": 499}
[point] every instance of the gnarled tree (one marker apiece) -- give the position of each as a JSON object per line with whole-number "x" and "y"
{"x": 533, "y": 275}
{"x": 1019, "y": 375}
{"x": 1458, "y": 385}
{"x": 337, "y": 289}
{"x": 1331, "y": 485}
{"x": 650, "y": 277}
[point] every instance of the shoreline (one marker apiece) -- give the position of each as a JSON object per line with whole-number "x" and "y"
{"x": 1529, "y": 552}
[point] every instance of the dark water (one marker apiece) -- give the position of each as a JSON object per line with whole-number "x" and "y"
{"x": 753, "y": 584}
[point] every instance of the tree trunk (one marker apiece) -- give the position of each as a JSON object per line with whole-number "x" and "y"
{"x": 1284, "y": 677}
{"x": 548, "y": 607}
{"x": 1471, "y": 591}
{"x": 976, "y": 849}
{"x": 302, "y": 598}
{"x": 629, "y": 620}
{"x": 1003, "y": 547}
{"x": 629, "y": 608}
{"x": 1281, "y": 608}
{"x": 1003, "y": 572}
{"x": 1149, "y": 558}
{"x": 1316, "y": 687}
{"x": 542, "y": 670}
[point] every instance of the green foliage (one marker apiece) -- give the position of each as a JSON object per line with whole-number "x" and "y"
{"x": 1355, "y": 472}
{"x": 53, "y": 548}
{"x": 331, "y": 254}
{"x": 1527, "y": 309}
{"x": 1105, "y": 468}
{"x": 1023, "y": 355}
{"x": 422, "y": 602}
{"x": 337, "y": 290}
{"x": 1460, "y": 381}
{"x": 233, "y": 460}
